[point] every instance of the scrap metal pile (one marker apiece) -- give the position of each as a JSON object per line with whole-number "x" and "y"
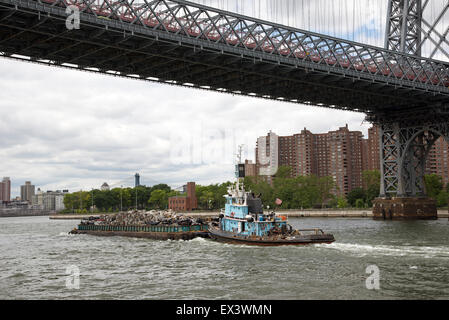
{"x": 143, "y": 218}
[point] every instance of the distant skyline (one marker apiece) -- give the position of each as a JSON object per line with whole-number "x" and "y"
{"x": 65, "y": 129}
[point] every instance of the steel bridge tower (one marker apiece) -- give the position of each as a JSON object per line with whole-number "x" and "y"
{"x": 406, "y": 138}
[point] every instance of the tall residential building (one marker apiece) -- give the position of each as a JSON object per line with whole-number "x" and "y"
{"x": 321, "y": 151}
{"x": 38, "y": 198}
{"x": 5, "y": 190}
{"x": 250, "y": 169}
{"x": 438, "y": 160}
{"x": 307, "y": 160}
{"x": 27, "y": 191}
{"x": 373, "y": 157}
{"x": 267, "y": 155}
{"x": 345, "y": 159}
{"x": 50, "y": 200}
{"x": 340, "y": 154}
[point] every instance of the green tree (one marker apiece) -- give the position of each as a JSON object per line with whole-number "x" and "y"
{"x": 442, "y": 199}
{"x": 206, "y": 199}
{"x": 359, "y": 203}
{"x": 434, "y": 185}
{"x": 341, "y": 202}
{"x": 158, "y": 199}
{"x": 326, "y": 185}
{"x": 354, "y": 194}
{"x": 370, "y": 177}
{"x": 161, "y": 186}
{"x": 283, "y": 172}
{"x": 371, "y": 185}
{"x": 371, "y": 193}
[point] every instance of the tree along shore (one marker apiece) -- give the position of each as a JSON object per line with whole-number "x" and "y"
{"x": 303, "y": 192}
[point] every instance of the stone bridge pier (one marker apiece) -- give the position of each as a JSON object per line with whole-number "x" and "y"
{"x": 405, "y": 142}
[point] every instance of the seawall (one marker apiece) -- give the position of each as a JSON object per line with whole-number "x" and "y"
{"x": 7, "y": 213}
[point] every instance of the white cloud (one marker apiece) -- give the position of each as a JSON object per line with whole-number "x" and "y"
{"x": 68, "y": 129}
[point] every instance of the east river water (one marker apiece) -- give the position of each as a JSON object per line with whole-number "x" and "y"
{"x": 412, "y": 259}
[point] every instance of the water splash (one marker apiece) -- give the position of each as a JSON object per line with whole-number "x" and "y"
{"x": 389, "y": 250}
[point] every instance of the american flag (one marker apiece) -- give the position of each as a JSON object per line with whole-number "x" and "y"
{"x": 278, "y": 201}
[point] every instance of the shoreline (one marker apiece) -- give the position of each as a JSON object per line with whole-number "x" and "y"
{"x": 12, "y": 215}
{"x": 442, "y": 213}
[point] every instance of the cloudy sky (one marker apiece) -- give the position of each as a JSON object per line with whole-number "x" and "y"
{"x": 68, "y": 129}
{"x": 65, "y": 129}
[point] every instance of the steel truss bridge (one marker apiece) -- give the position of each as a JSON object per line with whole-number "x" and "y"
{"x": 187, "y": 44}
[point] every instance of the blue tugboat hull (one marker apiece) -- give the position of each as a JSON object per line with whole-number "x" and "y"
{"x": 229, "y": 237}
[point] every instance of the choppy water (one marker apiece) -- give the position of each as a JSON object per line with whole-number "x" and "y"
{"x": 413, "y": 259}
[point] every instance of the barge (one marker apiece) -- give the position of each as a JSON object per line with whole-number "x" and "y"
{"x": 150, "y": 232}
{"x": 243, "y": 221}
{"x": 144, "y": 225}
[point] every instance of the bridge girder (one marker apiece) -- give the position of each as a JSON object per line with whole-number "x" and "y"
{"x": 115, "y": 45}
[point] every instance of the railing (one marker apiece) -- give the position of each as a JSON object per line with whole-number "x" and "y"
{"x": 221, "y": 27}
{"x": 316, "y": 230}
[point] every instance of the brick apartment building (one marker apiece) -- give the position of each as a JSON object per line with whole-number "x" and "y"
{"x": 372, "y": 158}
{"x": 438, "y": 160}
{"x": 250, "y": 169}
{"x": 184, "y": 203}
{"x": 341, "y": 154}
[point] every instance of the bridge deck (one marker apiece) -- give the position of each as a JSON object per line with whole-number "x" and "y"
{"x": 191, "y": 45}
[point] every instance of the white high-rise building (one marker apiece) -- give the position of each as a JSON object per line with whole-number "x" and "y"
{"x": 38, "y": 199}
{"x": 50, "y": 200}
{"x": 267, "y": 154}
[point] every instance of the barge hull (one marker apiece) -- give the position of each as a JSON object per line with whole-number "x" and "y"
{"x": 147, "y": 235}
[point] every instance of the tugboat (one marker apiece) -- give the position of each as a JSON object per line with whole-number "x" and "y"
{"x": 243, "y": 221}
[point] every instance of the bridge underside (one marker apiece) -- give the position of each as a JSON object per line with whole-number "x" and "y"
{"x": 155, "y": 56}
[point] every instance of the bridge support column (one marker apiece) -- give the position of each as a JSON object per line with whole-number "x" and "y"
{"x": 404, "y": 146}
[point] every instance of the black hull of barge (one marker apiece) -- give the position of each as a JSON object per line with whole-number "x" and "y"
{"x": 229, "y": 237}
{"x": 146, "y": 235}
